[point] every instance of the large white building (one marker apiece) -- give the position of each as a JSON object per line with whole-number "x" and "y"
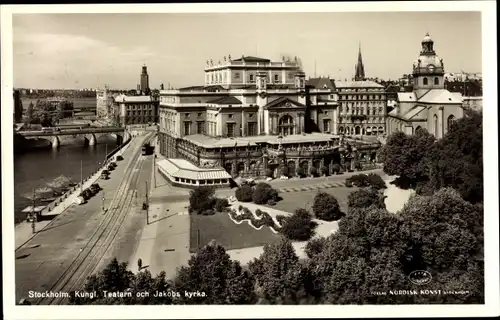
{"x": 429, "y": 105}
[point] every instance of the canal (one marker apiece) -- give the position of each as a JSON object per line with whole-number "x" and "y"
{"x": 36, "y": 168}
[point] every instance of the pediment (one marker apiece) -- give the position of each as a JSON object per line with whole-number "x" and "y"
{"x": 284, "y": 103}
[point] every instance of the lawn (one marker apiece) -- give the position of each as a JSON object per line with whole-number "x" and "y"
{"x": 225, "y": 232}
{"x": 305, "y": 199}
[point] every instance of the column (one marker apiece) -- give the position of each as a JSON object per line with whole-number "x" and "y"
{"x": 334, "y": 120}
{"x": 275, "y": 124}
{"x": 243, "y": 122}
{"x": 441, "y": 122}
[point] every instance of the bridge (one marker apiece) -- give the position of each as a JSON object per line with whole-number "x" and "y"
{"x": 90, "y": 135}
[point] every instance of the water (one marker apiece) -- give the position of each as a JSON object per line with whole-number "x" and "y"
{"x": 36, "y": 168}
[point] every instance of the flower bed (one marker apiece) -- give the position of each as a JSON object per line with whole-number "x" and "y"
{"x": 257, "y": 220}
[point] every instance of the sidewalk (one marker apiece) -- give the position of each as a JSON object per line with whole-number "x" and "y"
{"x": 164, "y": 242}
{"x": 23, "y": 231}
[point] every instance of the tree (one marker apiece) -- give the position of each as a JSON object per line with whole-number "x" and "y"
{"x": 285, "y": 171}
{"x": 326, "y": 207}
{"x": 375, "y": 181}
{"x": 457, "y": 159}
{"x": 244, "y": 193}
{"x": 216, "y": 277}
{"x": 315, "y": 246}
{"x": 29, "y": 113}
{"x": 301, "y": 172}
{"x": 220, "y": 204}
{"x": 299, "y": 226}
{"x": 407, "y": 155}
{"x": 279, "y": 276}
{"x": 263, "y": 192}
{"x": 364, "y": 198}
{"x": 201, "y": 199}
{"x": 115, "y": 277}
{"x": 444, "y": 233}
{"x": 18, "y": 107}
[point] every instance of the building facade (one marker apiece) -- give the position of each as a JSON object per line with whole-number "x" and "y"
{"x": 252, "y": 116}
{"x": 429, "y": 105}
{"x": 130, "y": 110}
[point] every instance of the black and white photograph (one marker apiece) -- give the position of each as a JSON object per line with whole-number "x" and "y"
{"x": 187, "y": 156}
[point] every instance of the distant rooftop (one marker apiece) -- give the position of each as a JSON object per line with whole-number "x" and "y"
{"x": 358, "y": 84}
{"x": 125, "y": 98}
{"x": 252, "y": 59}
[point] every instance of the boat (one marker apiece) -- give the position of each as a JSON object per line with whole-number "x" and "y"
{"x": 47, "y": 199}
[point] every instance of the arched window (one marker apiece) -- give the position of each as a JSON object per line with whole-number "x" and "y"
{"x": 341, "y": 130}
{"x": 425, "y": 81}
{"x": 357, "y": 130}
{"x": 418, "y": 128}
{"x": 451, "y": 118}
{"x": 286, "y": 125}
{"x": 436, "y": 125}
{"x": 436, "y": 80}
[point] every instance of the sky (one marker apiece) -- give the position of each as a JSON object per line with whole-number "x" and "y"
{"x": 91, "y": 50}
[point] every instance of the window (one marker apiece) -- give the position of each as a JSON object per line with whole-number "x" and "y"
{"x": 200, "y": 127}
{"x": 451, "y": 118}
{"x": 276, "y": 78}
{"x": 252, "y": 129}
{"x": 199, "y": 115}
{"x": 237, "y": 75}
{"x": 250, "y": 115}
{"x": 436, "y": 80}
{"x": 251, "y": 78}
{"x": 436, "y": 126}
{"x": 425, "y": 81}
{"x": 286, "y": 125}
{"x": 230, "y": 129}
{"x": 326, "y": 125}
{"x": 187, "y": 127}
{"x": 186, "y": 115}
{"x": 230, "y": 116}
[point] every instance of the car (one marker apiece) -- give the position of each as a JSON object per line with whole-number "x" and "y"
{"x": 95, "y": 188}
{"x": 104, "y": 176}
{"x": 113, "y": 164}
{"x": 119, "y": 158}
{"x": 105, "y": 171}
{"x": 85, "y": 194}
{"x": 79, "y": 200}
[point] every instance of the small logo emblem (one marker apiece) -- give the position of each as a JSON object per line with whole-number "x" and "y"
{"x": 420, "y": 277}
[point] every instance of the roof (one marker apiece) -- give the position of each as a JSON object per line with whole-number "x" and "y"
{"x": 280, "y": 86}
{"x": 211, "y": 142}
{"x": 226, "y": 100}
{"x": 413, "y": 112}
{"x": 180, "y": 168}
{"x": 441, "y": 96}
{"x": 358, "y": 84}
{"x": 125, "y": 98}
{"x": 407, "y": 97}
{"x": 282, "y": 100}
{"x": 321, "y": 83}
{"x": 200, "y": 88}
{"x": 252, "y": 59}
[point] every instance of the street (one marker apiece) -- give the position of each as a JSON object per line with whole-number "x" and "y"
{"x": 60, "y": 257}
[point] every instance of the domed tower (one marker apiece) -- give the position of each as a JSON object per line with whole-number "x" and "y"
{"x": 428, "y": 69}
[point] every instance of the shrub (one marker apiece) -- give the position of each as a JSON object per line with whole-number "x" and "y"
{"x": 285, "y": 171}
{"x": 364, "y": 198}
{"x": 314, "y": 171}
{"x": 314, "y": 247}
{"x": 269, "y": 173}
{"x": 258, "y": 212}
{"x": 240, "y": 207}
{"x": 376, "y": 181}
{"x": 281, "y": 219}
{"x": 271, "y": 202}
{"x": 336, "y": 168}
{"x": 300, "y": 172}
{"x": 208, "y": 212}
{"x": 299, "y": 226}
{"x": 325, "y": 170}
{"x": 348, "y": 184}
{"x": 220, "y": 204}
{"x": 244, "y": 193}
{"x": 263, "y": 193}
{"x": 326, "y": 207}
{"x": 201, "y": 199}
{"x": 358, "y": 180}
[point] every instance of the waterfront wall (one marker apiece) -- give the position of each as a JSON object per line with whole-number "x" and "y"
{"x": 93, "y": 176}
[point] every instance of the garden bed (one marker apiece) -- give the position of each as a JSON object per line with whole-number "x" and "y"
{"x": 225, "y": 232}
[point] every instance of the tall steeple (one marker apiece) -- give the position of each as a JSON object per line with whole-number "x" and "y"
{"x": 360, "y": 68}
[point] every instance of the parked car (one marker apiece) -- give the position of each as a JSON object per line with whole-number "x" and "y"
{"x": 119, "y": 158}
{"x": 86, "y": 194}
{"x": 80, "y": 200}
{"x": 113, "y": 164}
{"x": 95, "y": 188}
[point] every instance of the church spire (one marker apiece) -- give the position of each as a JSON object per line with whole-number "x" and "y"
{"x": 360, "y": 68}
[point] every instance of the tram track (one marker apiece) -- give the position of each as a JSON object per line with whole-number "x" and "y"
{"x": 102, "y": 238}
